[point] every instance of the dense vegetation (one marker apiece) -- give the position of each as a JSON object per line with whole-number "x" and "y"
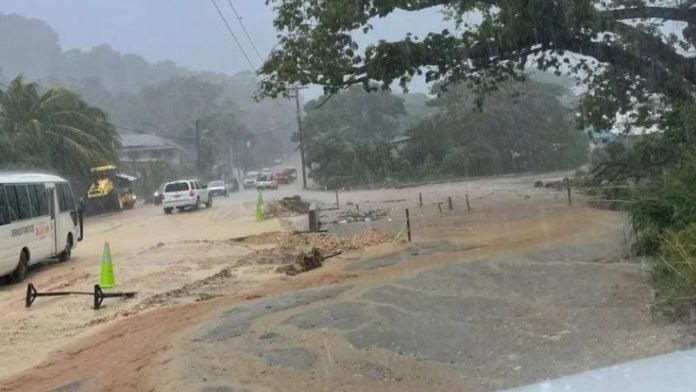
{"x": 53, "y": 130}
{"x": 160, "y": 98}
{"x": 359, "y": 138}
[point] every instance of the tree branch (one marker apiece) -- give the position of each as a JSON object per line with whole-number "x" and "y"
{"x": 669, "y": 13}
{"x": 417, "y": 5}
{"x": 688, "y": 4}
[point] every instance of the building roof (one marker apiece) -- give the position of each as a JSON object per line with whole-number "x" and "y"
{"x": 600, "y": 134}
{"x": 132, "y": 141}
{"x": 15, "y": 178}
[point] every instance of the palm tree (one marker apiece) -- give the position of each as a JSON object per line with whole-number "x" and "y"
{"x": 55, "y": 130}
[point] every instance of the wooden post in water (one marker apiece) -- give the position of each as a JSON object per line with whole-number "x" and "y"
{"x": 570, "y": 199}
{"x": 449, "y": 203}
{"x": 468, "y": 206}
{"x": 338, "y": 206}
{"x": 408, "y": 225}
{"x": 420, "y": 199}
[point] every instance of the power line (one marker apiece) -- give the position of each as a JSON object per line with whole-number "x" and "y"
{"x": 239, "y": 19}
{"x": 241, "y": 48}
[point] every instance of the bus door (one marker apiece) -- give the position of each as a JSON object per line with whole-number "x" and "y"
{"x": 52, "y": 215}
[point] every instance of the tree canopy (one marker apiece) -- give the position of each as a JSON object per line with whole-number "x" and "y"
{"x": 521, "y": 127}
{"x": 347, "y": 138}
{"x": 642, "y": 68}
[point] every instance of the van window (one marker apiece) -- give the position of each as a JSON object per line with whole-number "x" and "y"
{"x": 176, "y": 187}
{"x": 38, "y": 199}
{"x": 12, "y": 203}
{"x": 19, "y": 199}
{"x": 4, "y": 208}
{"x": 65, "y": 197}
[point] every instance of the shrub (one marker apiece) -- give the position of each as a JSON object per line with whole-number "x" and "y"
{"x": 674, "y": 274}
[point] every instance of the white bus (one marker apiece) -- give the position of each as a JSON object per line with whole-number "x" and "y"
{"x": 39, "y": 219}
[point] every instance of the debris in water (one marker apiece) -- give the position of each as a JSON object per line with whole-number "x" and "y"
{"x": 305, "y": 261}
{"x": 287, "y": 206}
{"x": 361, "y": 216}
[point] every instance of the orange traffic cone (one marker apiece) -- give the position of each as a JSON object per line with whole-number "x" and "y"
{"x": 106, "y": 279}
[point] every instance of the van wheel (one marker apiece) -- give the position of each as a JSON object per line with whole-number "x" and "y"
{"x": 209, "y": 203}
{"x": 168, "y": 210}
{"x": 21, "y": 271}
{"x": 65, "y": 254}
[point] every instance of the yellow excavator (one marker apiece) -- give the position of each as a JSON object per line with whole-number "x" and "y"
{"x": 110, "y": 191}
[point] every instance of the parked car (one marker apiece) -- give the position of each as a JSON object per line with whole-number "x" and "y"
{"x": 249, "y": 181}
{"x": 217, "y": 188}
{"x": 282, "y": 178}
{"x": 265, "y": 181}
{"x": 158, "y": 196}
{"x": 291, "y": 172}
{"x": 185, "y": 194}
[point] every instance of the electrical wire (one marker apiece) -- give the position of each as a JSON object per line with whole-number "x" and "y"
{"x": 241, "y": 48}
{"x": 239, "y": 19}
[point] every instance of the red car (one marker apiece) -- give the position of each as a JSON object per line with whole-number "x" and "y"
{"x": 281, "y": 178}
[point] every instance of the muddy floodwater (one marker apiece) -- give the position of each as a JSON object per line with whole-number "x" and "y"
{"x": 515, "y": 288}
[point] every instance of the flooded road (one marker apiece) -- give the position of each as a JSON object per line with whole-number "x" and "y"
{"x": 521, "y": 288}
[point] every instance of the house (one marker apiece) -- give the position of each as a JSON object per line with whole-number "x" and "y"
{"x": 138, "y": 149}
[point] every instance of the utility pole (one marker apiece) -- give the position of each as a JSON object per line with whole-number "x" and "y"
{"x": 198, "y": 144}
{"x": 301, "y": 133}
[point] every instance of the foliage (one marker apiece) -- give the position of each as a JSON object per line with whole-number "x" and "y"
{"x": 674, "y": 276}
{"x": 643, "y": 72}
{"x": 159, "y": 98}
{"x": 54, "y": 130}
{"x": 521, "y": 127}
{"x": 669, "y": 203}
{"x": 348, "y": 138}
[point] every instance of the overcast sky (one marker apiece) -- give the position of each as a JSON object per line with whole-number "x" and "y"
{"x": 189, "y": 32}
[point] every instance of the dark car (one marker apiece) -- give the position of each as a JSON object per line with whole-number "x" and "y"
{"x": 291, "y": 173}
{"x": 282, "y": 178}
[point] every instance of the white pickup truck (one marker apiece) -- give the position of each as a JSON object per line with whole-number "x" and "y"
{"x": 185, "y": 193}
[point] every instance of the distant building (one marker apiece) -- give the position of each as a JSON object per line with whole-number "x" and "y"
{"x": 600, "y": 137}
{"x": 141, "y": 148}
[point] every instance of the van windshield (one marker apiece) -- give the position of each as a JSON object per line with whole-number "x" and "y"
{"x": 176, "y": 187}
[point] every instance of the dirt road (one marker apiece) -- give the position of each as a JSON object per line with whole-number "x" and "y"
{"x": 520, "y": 289}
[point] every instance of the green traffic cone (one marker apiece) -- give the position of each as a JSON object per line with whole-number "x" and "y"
{"x": 259, "y": 208}
{"x": 106, "y": 278}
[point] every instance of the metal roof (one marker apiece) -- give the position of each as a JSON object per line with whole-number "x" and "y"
{"x": 11, "y": 178}
{"x": 145, "y": 141}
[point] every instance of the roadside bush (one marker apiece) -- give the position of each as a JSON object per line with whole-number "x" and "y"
{"x": 674, "y": 274}
{"x": 667, "y": 204}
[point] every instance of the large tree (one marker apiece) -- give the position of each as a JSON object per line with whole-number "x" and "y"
{"x": 54, "y": 130}
{"x": 347, "y": 138}
{"x": 641, "y": 69}
{"x": 523, "y": 126}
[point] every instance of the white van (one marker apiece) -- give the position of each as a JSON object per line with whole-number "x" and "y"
{"x": 39, "y": 219}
